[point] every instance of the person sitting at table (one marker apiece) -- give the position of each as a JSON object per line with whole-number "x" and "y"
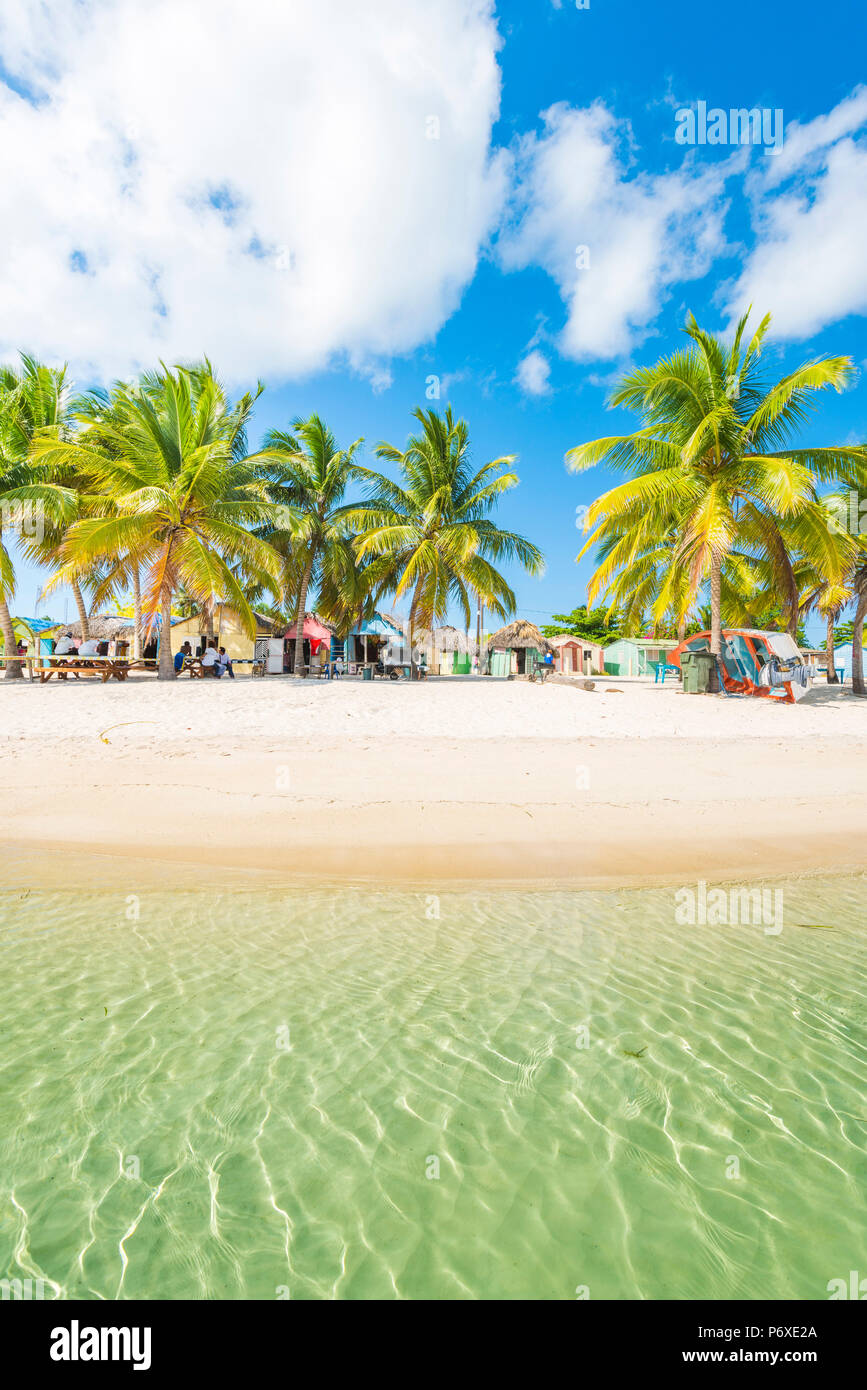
{"x": 90, "y": 647}
{"x": 210, "y": 659}
{"x": 64, "y": 646}
{"x": 224, "y": 663}
{"x": 182, "y": 656}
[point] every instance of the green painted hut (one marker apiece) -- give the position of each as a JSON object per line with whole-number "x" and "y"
{"x": 636, "y": 656}
{"x": 515, "y": 650}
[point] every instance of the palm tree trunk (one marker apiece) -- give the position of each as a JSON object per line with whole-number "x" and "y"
{"x": 299, "y": 621}
{"x": 136, "y": 609}
{"x": 858, "y": 687}
{"x": 82, "y": 609}
{"x": 829, "y": 651}
{"x": 10, "y": 646}
{"x": 716, "y": 605}
{"x": 166, "y": 669}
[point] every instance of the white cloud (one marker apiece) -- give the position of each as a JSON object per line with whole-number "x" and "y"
{"x": 808, "y": 264}
{"x": 255, "y": 181}
{"x": 803, "y": 141}
{"x": 614, "y": 244}
{"x": 533, "y": 373}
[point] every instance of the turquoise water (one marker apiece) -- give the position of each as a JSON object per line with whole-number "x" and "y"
{"x": 262, "y": 1092}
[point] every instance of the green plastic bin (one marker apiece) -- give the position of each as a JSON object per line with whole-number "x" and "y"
{"x": 689, "y": 671}
{"x": 706, "y": 673}
{"x": 367, "y": 673}
{"x": 699, "y": 673}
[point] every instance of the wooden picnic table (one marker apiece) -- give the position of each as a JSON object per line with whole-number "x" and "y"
{"x": 196, "y": 669}
{"x": 107, "y": 667}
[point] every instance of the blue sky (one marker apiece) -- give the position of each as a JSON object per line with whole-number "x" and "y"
{"x": 402, "y": 256}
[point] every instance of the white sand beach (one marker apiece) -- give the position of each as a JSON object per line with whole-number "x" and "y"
{"x": 448, "y": 779}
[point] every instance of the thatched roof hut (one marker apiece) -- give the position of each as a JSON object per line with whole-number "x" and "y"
{"x": 102, "y": 626}
{"x": 517, "y": 636}
{"x": 450, "y": 639}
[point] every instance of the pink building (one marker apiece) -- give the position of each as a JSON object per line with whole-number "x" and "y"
{"x": 576, "y": 656}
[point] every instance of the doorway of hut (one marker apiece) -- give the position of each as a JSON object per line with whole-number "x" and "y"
{"x": 521, "y": 659}
{"x": 289, "y": 654}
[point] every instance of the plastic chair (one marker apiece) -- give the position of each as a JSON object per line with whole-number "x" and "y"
{"x": 662, "y": 669}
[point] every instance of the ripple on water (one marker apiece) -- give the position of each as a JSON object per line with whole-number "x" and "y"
{"x": 253, "y": 1091}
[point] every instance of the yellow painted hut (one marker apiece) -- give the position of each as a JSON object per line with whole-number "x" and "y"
{"x": 223, "y": 626}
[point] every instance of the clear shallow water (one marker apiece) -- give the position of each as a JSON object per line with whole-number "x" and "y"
{"x": 249, "y": 1093}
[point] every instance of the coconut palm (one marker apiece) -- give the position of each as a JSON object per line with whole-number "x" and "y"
{"x": 309, "y": 476}
{"x": 711, "y": 467}
{"x": 860, "y": 587}
{"x": 33, "y": 403}
{"x": 345, "y": 595}
{"x": 172, "y": 491}
{"x": 830, "y": 600}
{"x": 44, "y": 405}
{"x": 430, "y": 535}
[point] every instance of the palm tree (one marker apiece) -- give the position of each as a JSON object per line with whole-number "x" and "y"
{"x": 860, "y": 587}
{"x": 430, "y": 535}
{"x": 172, "y": 491}
{"x": 345, "y": 595}
{"x": 309, "y": 478}
{"x": 33, "y": 404}
{"x": 710, "y": 467}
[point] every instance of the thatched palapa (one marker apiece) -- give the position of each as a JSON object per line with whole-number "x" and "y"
{"x": 450, "y": 639}
{"x": 519, "y": 636}
{"x": 103, "y": 627}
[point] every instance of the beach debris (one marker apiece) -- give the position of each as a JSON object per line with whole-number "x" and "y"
{"x": 640, "y": 1053}
{"x": 612, "y": 690}
{"x": 588, "y": 685}
{"x": 814, "y": 926}
{"x": 124, "y": 725}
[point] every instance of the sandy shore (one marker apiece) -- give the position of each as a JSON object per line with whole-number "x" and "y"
{"x": 449, "y": 779}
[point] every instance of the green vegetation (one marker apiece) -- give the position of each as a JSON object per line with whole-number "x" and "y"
{"x": 718, "y": 502}
{"x": 149, "y": 489}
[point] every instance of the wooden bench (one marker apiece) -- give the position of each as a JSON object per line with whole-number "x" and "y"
{"x": 106, "y": 667}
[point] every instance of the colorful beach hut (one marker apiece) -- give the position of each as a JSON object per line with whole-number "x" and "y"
{"x": 516, "y": 649}
{"x": 574, "y": 656}
{"x": 224, "y": 628}
{"x": 843, "y": 657}
{"x": 368, "y": 636}
{"x": 636, "y": 656}
{"x": 38, "y": 633}
{"x": 105, "y": 627}
{"x": 317, "y": 636}
{"x": 450, "y": 652}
